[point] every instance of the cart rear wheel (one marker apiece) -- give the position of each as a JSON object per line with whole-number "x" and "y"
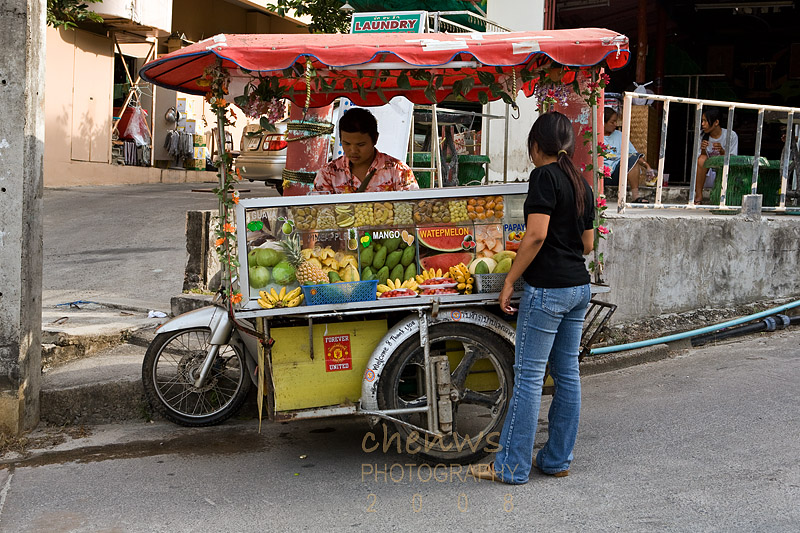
{"x": 481, "y": 366}
{"x": 171, "y": 364}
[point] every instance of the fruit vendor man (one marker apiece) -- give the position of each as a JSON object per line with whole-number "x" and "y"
{"x": 363, "y": 167}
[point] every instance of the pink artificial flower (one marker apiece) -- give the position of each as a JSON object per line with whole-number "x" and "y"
{"x": 606, "y": 171}
{"x": 606, "y": 78}
{"x": 603, "y": 230}
{"x": 583, "y": 167}
{"x": 592, "y": 85}
{"x": 601, "y": 201}
{"x": 602, "y": 147}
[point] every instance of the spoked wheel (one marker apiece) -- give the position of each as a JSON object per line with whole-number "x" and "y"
{"x": 171, "y": 365}
{"x": 481, "y": 369}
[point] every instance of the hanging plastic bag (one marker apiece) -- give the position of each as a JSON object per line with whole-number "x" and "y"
{"x": 137, "y": 127}
{"x": 642, "y": 89}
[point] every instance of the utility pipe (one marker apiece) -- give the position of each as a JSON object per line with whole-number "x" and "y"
{"x": 694, "y": 332}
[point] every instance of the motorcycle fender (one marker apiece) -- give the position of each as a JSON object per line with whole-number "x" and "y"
{"x": 409, "y": 327}
{"x": 212, "y": 317}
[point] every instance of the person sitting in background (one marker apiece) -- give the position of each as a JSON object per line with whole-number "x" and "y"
{"x": 362, "y": 167}
{"x": 636, "y": 161}
{"x": 714, "y": 140}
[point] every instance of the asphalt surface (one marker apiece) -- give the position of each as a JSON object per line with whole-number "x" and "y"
{"x": 124, "y": 245}
{"x": 705, "y": 441}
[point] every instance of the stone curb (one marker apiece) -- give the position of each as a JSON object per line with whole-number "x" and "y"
{"x": 598, "y": 364}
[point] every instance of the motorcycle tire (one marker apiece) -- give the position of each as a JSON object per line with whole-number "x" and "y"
{"x": 170, "y": 366}
{"x": 478, "y": 415}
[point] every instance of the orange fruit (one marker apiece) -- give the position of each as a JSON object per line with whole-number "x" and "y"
{"x": 479, "y": 209}
{"x": 489, "y": 213}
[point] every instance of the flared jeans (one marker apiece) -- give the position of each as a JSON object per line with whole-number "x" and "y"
{"x": 549, "y": 329}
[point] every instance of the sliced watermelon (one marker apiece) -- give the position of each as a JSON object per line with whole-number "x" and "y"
{"x": 444, "y": 261}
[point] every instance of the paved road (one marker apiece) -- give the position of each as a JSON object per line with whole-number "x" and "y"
{"x": 121, "y": 244}
{"x": 706, "y": 441}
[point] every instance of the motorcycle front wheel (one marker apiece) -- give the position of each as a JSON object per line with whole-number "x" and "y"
{"x": 171, "y": 365}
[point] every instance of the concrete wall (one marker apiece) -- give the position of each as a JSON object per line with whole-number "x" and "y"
{"x": 22, "y": 77}
{"x": 667, "y": 264}
{"x": 516, "y": 16}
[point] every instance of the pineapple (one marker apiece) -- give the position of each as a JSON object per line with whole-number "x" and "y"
{"x": 306, "y": 271}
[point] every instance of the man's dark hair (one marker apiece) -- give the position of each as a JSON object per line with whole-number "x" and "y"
{"x": 359, "y": 120}
{"x": 608, "y": 113}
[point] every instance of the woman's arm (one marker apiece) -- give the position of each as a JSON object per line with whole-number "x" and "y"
{"x": 587, "y": 237}
{"x": 535, "y": 233}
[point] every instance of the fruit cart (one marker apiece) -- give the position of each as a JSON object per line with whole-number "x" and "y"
{"x": 378, "y": 304}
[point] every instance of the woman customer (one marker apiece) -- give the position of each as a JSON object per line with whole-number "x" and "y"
{"x": 559, "y": 213}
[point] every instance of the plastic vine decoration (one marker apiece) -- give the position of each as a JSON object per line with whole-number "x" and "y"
{"x": 218, "y": 80}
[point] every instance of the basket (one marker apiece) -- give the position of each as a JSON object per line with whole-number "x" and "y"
{"x": 494, "y": 283}
{"x": 341, "y": 293}
{"x": 470, "y": 169}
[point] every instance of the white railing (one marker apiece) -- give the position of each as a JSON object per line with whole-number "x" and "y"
{"x": 698, "y": 103}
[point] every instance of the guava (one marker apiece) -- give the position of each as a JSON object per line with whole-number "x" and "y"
{"x": 252, "y": 257}
{"x": 258, "y": 276}
{"x": 267, "y": 257}
{"x": 283, "y": 273}
{"x": 286, "y": 228}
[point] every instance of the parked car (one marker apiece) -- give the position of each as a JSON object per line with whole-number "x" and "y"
{"x": 262, "y": 155}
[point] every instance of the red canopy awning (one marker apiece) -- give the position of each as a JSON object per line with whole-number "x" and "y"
{"x": 374, "y": 62}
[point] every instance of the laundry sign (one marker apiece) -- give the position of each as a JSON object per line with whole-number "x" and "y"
{"x": 338, "y": 355}
{"x": 395, "y": 22}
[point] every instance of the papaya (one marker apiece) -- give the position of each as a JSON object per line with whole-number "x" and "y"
{"x": 367, "y": 273}
{"x": 333, "y": 276}
{"x": 380, "y": 258}
{"x": 393, "y": 259}
{"x": 383, "y": 275}
{"x": 482, "y": 268}
{"x": 503, "y": 266}
{"x": 411, "y": 271}
{"x": 408, "y": 256}
{"x": 367, "y": 255}
{"x": 392, "y": 244}
{"x": 397, "y": 272}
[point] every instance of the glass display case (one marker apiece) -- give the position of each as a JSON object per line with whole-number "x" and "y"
{"x": 341, "y": 249}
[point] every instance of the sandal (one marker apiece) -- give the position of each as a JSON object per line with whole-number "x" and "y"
{"x": 641, "y": 200}
{"x": 479, "y": 472}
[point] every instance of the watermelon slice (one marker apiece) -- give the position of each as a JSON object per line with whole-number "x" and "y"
{"x": 444, "y": 261}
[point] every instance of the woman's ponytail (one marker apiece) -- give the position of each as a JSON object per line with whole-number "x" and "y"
{"x": 553, "y": 133}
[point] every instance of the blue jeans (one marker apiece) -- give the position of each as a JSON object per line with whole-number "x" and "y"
{"x": 548, "y": 330}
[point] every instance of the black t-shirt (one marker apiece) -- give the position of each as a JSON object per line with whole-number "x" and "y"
{"x": 560, "y": 261}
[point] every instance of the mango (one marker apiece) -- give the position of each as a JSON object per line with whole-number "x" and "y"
{"x": 392, "y": 244}
{"x": 502, "y": 255}
{"x": 393, "y": 259}
{"x": 333, "y": 277}
{"x": 383, "y": 275}
{"x": 411, "y": 271}
{"x": 397, "y": 272}
{"x": 367, "y": 273}
{"x": 380, "y": 258}
{"x": 503, "y": 266}
{"x": 482, "y": 268}
{"x": 367, "y": 256}
{"x": 408, "y": 256}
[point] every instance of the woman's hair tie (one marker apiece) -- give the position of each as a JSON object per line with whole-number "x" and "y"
{"x": 562, "y": 152}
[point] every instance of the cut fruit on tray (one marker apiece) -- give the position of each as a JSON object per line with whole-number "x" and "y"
{"x": 399, "y": 293}
{"x": 438, "y": 283}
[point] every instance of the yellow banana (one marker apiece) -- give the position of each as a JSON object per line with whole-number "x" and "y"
{"x": 383, "y": 288}
{"x": 390, "y": 283}
{"x": 282, "y": 294}
{"x": 265, "y": 304}
{"x": 461, "y": 286}
{"x": 439, "y": 273}
{"x": 292, "y": 295}
{"x": 273, "y": 294}
{"x": 295, "y": 302}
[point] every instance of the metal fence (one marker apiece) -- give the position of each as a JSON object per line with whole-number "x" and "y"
{"x": 790, "y": 143}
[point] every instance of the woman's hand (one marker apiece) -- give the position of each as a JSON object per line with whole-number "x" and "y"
{"x": 704, "y": 145}
{"x": 505, "y": 299}
{"x": 718, "y": 147}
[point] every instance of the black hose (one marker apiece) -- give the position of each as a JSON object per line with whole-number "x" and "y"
{"x": 771, "y": 323}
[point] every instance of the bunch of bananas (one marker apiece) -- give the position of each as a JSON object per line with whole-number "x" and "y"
{"x": 460, "y": 273}
{"x": 430, "y": 274}
{"x": 278, "y": 300}
{"x": 397, "y": 284}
